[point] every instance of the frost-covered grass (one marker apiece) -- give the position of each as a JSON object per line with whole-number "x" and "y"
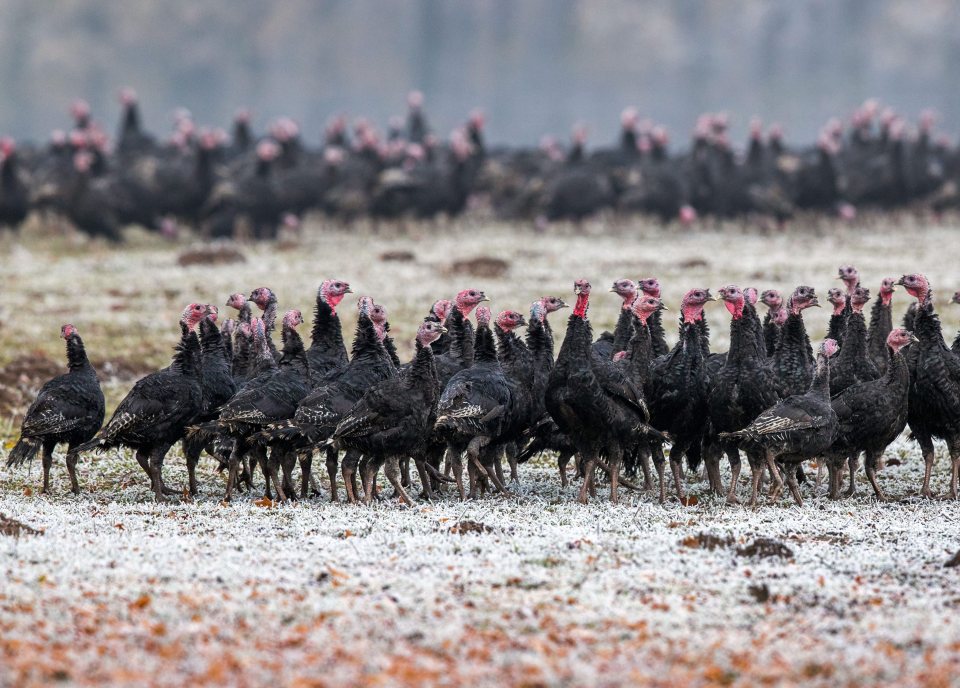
{"x": 120, "y": 589}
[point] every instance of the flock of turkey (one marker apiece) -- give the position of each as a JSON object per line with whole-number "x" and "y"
{"x": 483, "y": 394}
{"x": 226, "y": 185}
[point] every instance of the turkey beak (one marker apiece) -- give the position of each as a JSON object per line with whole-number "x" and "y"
{"x": 483, "y": 297}
{"x": 563, "y": 304}
{"x": 901, "y": 282}
{"x": 522, "y": 322}
{"x": 914, "y": 338}
{"x": 348, "y": 291}
{"x": 576, "y": 290}
{"x": 815, "y": 303}
{"x": 443, "y": 330}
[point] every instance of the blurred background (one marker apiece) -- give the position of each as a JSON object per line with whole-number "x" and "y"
{"x": 535, "y": 66}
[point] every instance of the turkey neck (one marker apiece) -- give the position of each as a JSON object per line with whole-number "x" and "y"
{"x": 186, "y": 360}
{"x": 77, "y": 354}
{"x": 623, "y": 332}
{"x": 820, "y": 387}
{"x": 658, "y": 336}
{"x": 854, "y": 339}
{"x": 485, "y": 350}
{"x": 213, "y": 351}
{"x": 461, "y": 338}
{"x": 327, "y": 333}
{"x": 795, "y": 336}
{"x": 837, "y": 327}
{"x": 881, "y": 323}
{"x": 897, "y": 375}
{"x": 641, "y": 350}
{"x": 743, "y": 340}
{"x": 423, "y": 366}
{"x": 926, "y": 326}
{"x": 390, "y": 347}
{"x": 510, "y": 349}
{"x": 366, "y": 343}
{"x": 540, "y": 342}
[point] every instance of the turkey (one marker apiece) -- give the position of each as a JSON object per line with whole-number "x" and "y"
{"x": 773, "y": 321}
{"x": 854, "y": 364}
{"x": 518, "y": 365}
{"x": 871, "y": 415}
{"x": 650, "y": 286}
{"x": 608, "y": 344}
{"x": 934, "y": 401}
{"x": 801, "y": 427}
{"x": 743, "y": 388}
{"x": 271, "y": 396}
{"x": 881, "y": 324}
{"x": 317, "y": 414}
{"x": 677, "y": 388}
{"x": 218, "y": 386}
{"x": 838, "y": 317}
{"x": 460, "y": 331}
{"x": 69, "y": 408}
{"x": 391, "y": 419}
{"x": 793, "y": 359}
{"x": 593, "y": 402}
{"x": 327, "y": 351}
{"x": 474, "y": 411}
{"x": 155, "y": 413}
{"x": 14, "y": 194}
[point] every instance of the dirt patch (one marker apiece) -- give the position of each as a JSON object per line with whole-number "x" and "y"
{"x": 707, "y": 541}
{"x": 482, "y": 266}
{"x": 765, "y": 547}
{"x": 14, "y": 528}
{"x": 211, "y": 255}
{"x": 398, "y": 257}
{"x": 464, "y": 527}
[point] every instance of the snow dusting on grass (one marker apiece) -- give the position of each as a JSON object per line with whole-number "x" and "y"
{"x": 531, "y": 590}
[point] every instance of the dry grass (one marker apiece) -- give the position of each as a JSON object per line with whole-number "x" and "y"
{"x": 530, "y": 591}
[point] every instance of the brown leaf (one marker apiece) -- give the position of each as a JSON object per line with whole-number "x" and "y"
{"x": 141, "y": 602}
{"x": 265, "y": 502}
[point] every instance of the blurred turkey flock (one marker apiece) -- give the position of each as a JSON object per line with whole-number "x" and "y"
{"x": 255, "y": 184}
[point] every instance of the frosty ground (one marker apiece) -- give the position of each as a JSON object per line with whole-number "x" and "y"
{"x": 531, "y": 590}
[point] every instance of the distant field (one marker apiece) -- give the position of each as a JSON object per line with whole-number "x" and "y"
{"x": 547, "y": 592}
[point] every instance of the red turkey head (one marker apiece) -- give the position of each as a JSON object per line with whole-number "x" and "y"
{"x": 621, "y": 356}
{"x": 687, "y": 215}
{"x": 645, "y": 306}
{"x": 859, "y": 299}
{"x": 508, "y": 321}
{"x": 429, "y": 332}
{"x": 415, "y": 100}
{"x": 780, "y": 316}
{"x": 267, "y": 151}
{"x": 80, "y": 111}
{"x": 364, "y": 304}
{"x": 582, "y": 290}
{"x": 775, "y": 132}
{"x": 263, "y": 297}
{"x": 837, "y": 298}
{"x": 332, "y": 292}
{"x": 82, "y": 162}
{"x": 378, "y": 314}
{"x": 626, "y": 289}
{"x": 956, "y": 297}
{"x": 292, "y": 318}
{"x": 649, "y": 286}
{"x": 803, "y": 297}
{"x": 887, "y": 287}
{"x": 751, "y": 294}
{"x": 899, "y": 338}
{"x": 733, "y": 299}
{"x": 441, "y": 309}
{"x": 829, "y": 348}
{"x": 850, "y": 277}
{"x": 237, "y": 301}
{"x": 468, "y": 299}
{"x": 483, "y": 316}
{"x": 477, "y": 119}
{"x": 917, "y": 286}
{"x": 68, "y": 331}
{"x": 551, "y": 304}
{"x": 691, "y": 307}
{"x": 193, "y": 314}
{"x": 772, "y": 299}
{"x": 212, "y": 312}
{"x": 127, "y": 96}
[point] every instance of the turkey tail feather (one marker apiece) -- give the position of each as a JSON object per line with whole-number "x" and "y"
{"x": 24, "y": 451}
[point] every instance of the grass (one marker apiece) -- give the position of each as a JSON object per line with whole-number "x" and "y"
{"x": 118, "y": 589}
